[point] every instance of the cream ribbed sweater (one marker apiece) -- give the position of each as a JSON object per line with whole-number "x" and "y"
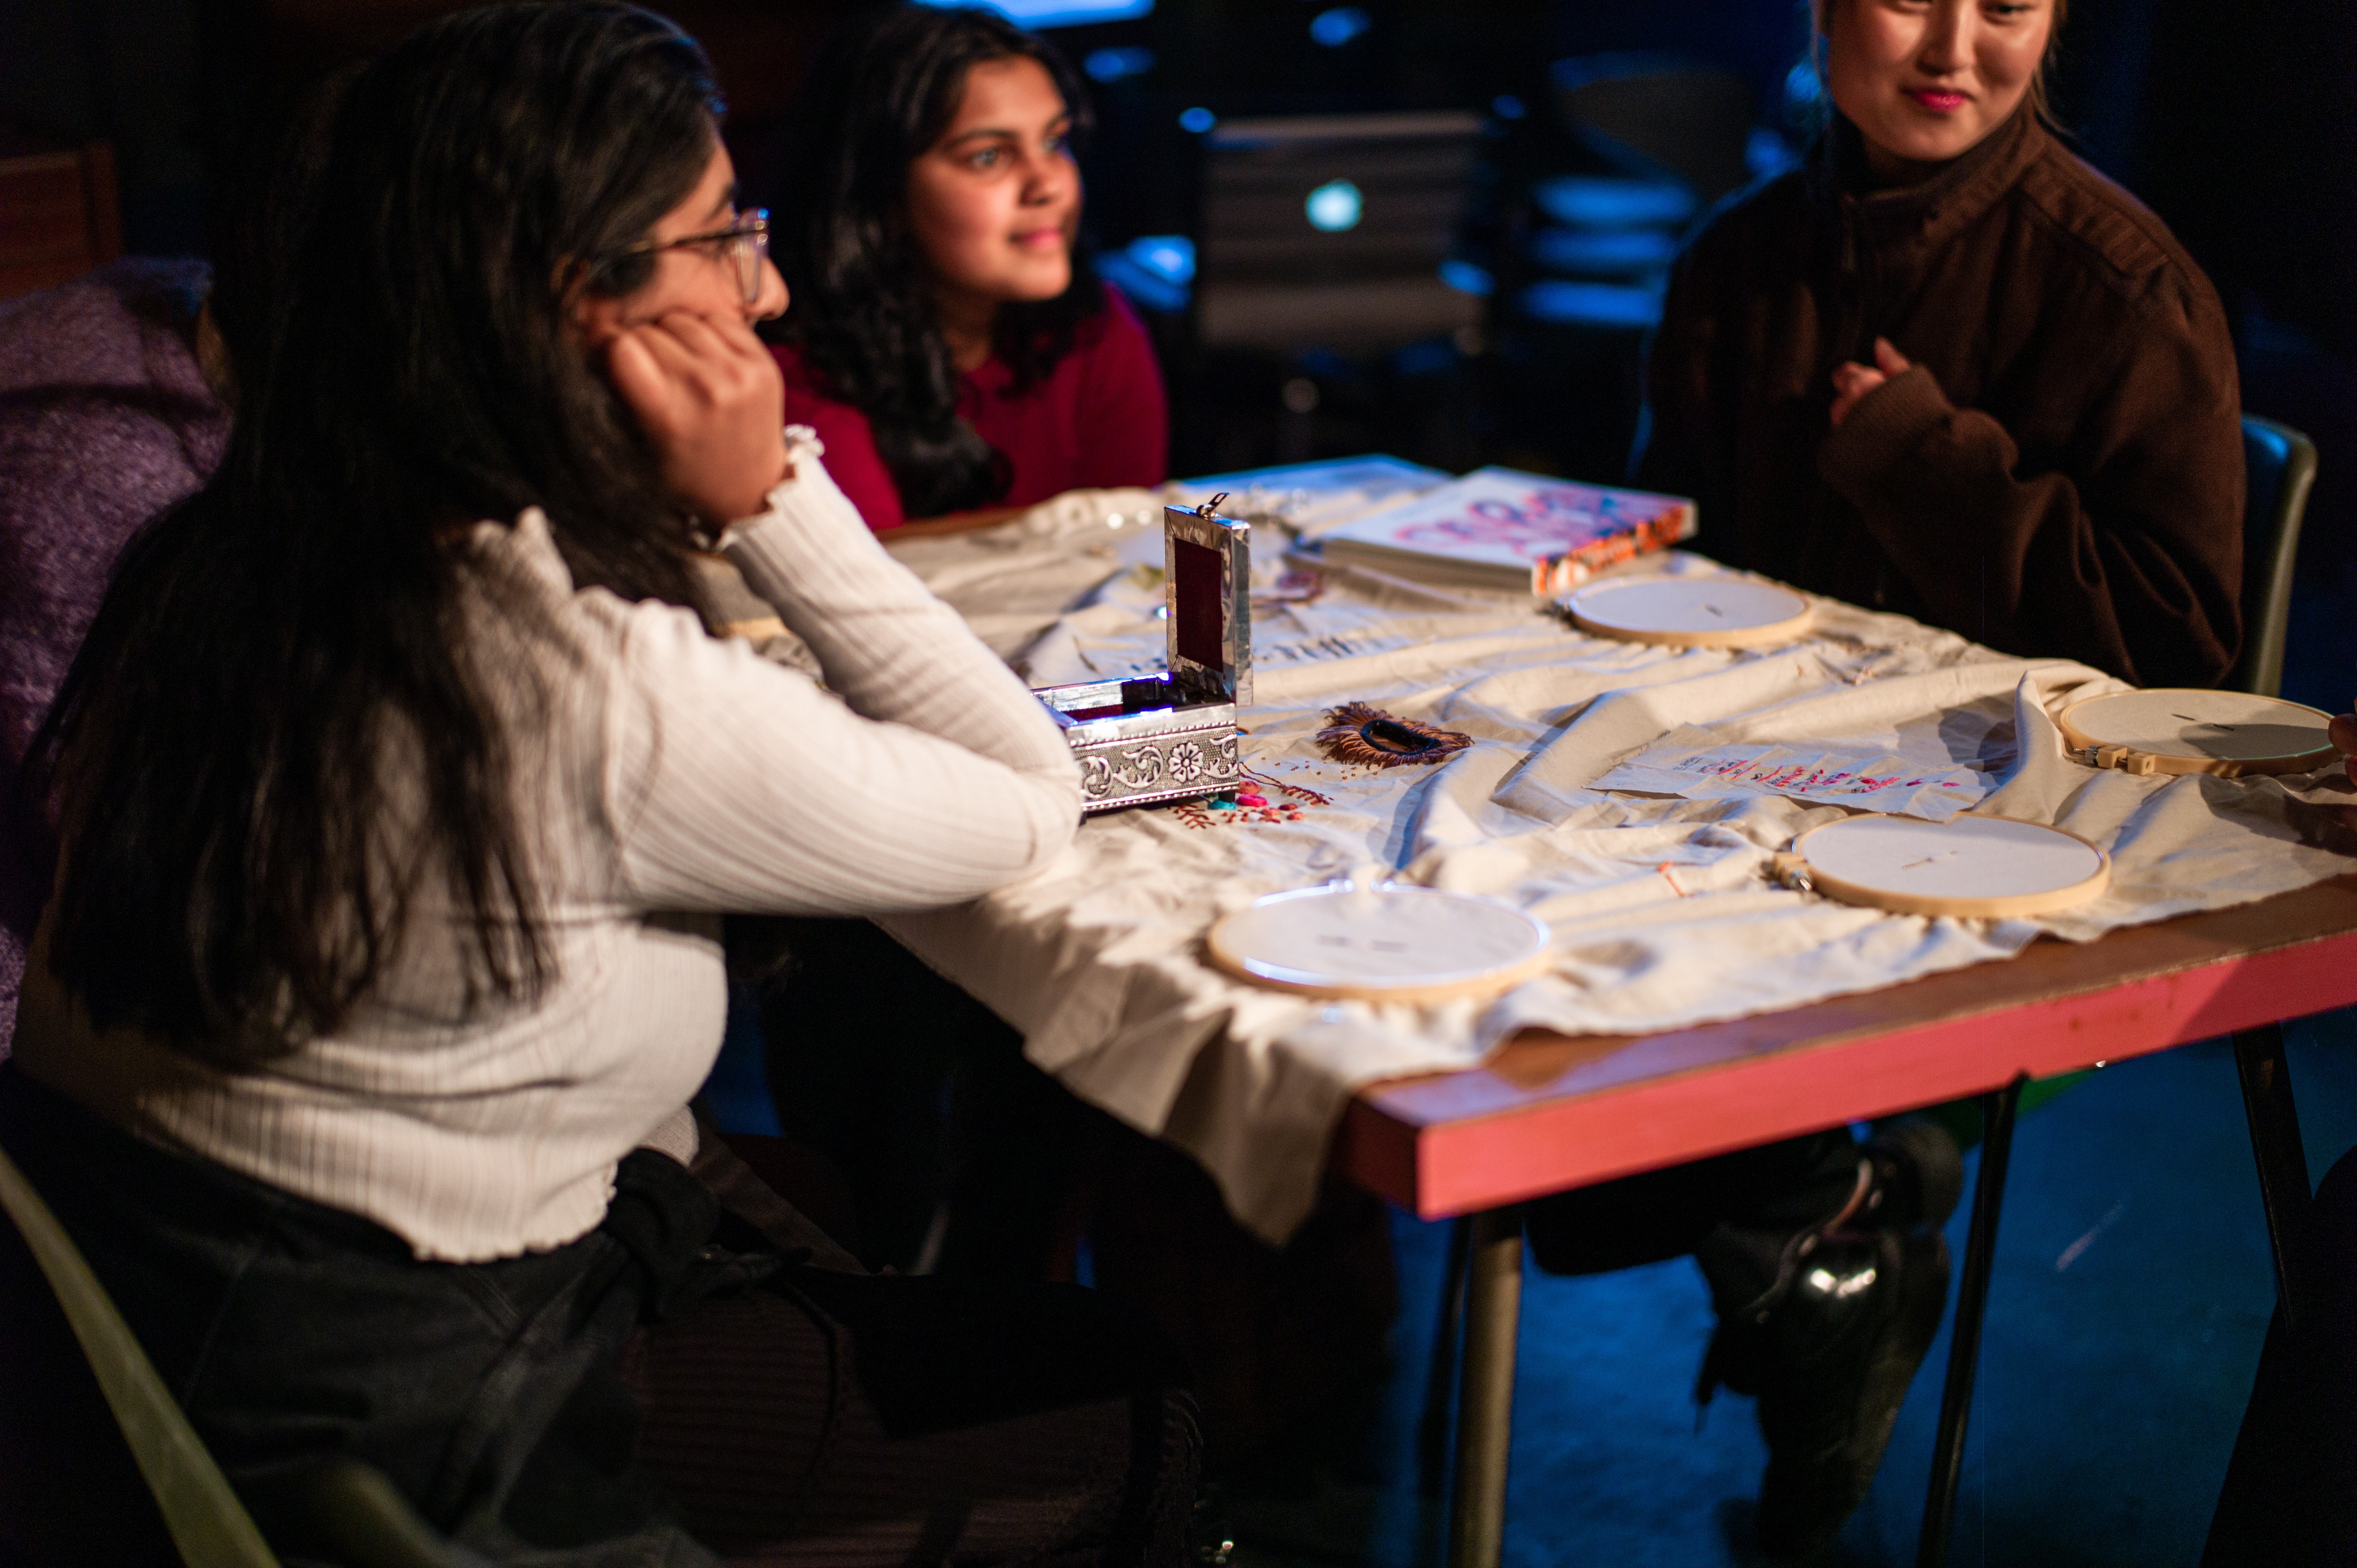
{"x": 669, "y": 776}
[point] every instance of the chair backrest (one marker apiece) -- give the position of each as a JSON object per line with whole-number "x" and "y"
{"x": 1329, "y": 230}
{"x": 354, "y": 1513}
{"x": 2279, "y": 464}
{"x": 58, "y": 218}
{"x": 207, "y": 1522}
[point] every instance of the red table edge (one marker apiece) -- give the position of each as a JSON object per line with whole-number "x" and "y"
{"x": 1446, "y": 1167}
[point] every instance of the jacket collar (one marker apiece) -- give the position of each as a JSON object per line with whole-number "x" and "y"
{"x": 1948, "y": 201}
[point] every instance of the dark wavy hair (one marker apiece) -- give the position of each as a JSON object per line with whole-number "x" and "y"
{"x": 238, "y": 866}
{"x": 862, "y": 313}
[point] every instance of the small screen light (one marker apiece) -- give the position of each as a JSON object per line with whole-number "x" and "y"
{"x": 1334, "y": 207}
{"x": 1198, "y": 120}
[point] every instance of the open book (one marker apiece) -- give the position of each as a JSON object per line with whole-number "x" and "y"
{"x": 1498, "y": 529}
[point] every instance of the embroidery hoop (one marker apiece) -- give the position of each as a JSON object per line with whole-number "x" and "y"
{"x": 2130, "y": 731}
{"x": 1691, "y": 612}
{"x": 1988, "y": 868}
{"x": 1346, "y": 940}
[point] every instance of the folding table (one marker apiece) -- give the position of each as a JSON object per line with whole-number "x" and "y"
{"x": 1550, "y": 1112}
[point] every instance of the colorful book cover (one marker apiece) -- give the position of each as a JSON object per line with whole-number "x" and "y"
{"x": 1500, "y": 528}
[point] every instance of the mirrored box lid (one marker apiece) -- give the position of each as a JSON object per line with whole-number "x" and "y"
{"x": 1170, "y": 734}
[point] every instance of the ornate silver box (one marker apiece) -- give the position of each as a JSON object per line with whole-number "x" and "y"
{"x": 1171, "y": 735}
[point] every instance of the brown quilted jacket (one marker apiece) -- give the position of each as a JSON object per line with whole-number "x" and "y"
{"x": 2061, "y": 473}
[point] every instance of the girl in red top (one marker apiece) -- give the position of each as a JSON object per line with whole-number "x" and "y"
{"x": 945, "y": 339}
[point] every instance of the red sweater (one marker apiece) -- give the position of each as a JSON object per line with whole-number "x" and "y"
{"x": 1098, "y": 419}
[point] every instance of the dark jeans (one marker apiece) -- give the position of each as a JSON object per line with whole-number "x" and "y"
{"x": 588, "y": 1406}
{"x": 1731, "y": 1211}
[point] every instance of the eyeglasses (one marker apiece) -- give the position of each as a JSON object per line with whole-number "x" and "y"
{"x": 744, "y": 244}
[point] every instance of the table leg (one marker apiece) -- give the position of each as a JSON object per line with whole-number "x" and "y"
{"x": 2283, "y": 1165}
{"x": 1485, "y": 1405}
{"x": 1965, "y": 1346}
{"x": 1432, "y": 1437}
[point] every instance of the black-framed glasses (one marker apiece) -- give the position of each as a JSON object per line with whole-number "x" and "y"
{"x": 744, "y": 244}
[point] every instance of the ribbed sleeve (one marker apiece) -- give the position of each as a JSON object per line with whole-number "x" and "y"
{"x": 927, "y": 775}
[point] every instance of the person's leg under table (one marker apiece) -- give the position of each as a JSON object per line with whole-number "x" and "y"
{"x": 1829, "y": 1277}
{"x": 1640, "y": 1220}
{"x": 847, "y": 1419}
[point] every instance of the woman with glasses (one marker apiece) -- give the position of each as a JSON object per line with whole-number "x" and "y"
{"x": 948, "y": 340}
{"x": 397, "y": 794}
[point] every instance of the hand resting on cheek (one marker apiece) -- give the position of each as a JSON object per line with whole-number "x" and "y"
{"x": 709, "y": 397}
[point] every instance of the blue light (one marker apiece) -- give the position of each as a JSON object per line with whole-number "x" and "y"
{"x": 1606, "y": 252}
{"x": 1595, "y": 201}
{"x": 1153, "y": 269}
{"x": 1112, "y": 65}
{"x": 1506, "y": 106}
{"x": 1466, "y": 278}
{"x": 1170, "y": 257}
{"x": 1058, "y": 13}
{"x": 1802, "y": 89}
{"x": 1767, "y": 154}
{"x": 1198, "y": 121}
{"x": 1592, "y": 304}
{"x": 1334, "y": 207}
{"x": 1338, "y": 26}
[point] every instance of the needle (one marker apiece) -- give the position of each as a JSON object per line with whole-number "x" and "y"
{"x": 1944, "y": 855}
{"x": 2206, "y": 724}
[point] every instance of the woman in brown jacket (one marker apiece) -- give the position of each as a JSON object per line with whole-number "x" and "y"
{"x": 1951, "y": 371}
{"x": 1948, "y": 370}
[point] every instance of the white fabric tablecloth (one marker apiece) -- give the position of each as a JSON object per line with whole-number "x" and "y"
{"x": 1663, "y": 910}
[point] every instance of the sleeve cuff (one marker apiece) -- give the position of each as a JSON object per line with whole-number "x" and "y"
{"x": 811, "y": 541}
{"x": 1887, "y": 422}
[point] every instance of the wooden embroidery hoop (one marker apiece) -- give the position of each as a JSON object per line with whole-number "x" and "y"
{"x": 2117, "y": 731}
{"x": 1991, "y": 831}
{"x": 1238, "y": 944}
{"x": 1660, "y": 610}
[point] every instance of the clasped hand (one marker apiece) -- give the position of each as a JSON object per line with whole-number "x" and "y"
{"x": 1852, "y": 380}
{"x": 710, "y": 399}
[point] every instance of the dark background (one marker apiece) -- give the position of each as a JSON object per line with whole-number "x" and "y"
{"x": 2238, "y": 123}
{"x": 2112, "y": 1379}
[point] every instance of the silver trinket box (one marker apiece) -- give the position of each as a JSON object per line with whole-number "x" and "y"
{"x": 1171, "y": 734}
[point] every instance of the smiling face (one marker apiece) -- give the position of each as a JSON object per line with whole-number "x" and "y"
{"x": 995, "y": 203}
{"x": 1925, "y": 81}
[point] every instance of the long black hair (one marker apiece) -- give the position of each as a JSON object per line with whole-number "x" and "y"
{"x": 230, "y": 760}
{"x": 863, "y": 313}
